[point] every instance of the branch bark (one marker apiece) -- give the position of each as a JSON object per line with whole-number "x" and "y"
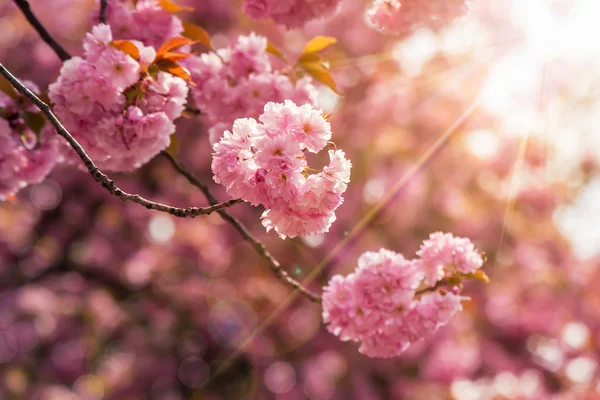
{"x": 99, "y": 176}
{"x": 41, "y": 30}
{"x": 103, "y": 6}
{"x": 258, "y": 246}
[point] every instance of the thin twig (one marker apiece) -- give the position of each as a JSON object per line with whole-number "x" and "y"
{"x": 41, "y": 30}
{"x": 98, "y": 175}
{"x": 259, "y": 247}
{"x": 103, "y": 5}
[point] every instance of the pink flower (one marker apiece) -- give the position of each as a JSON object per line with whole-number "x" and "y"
{"x": 445, "y": 252}
{"x": 143, "y": 20}
{"x": 21, "y": 166}
{"x": 238, "y": 82}
{"x": 379, "y": 306}
{"x": 121, "y": 118}
{"x": 403, "y": 17}
{"x": 290, "y": 13}
{"x": 264, "y": 163}
{"x": 122, "y": 70}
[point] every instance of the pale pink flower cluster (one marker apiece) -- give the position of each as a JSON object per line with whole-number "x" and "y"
{"x": 143, "y": 20}
{"x": 379, "y": 305}
{"x": 402, "y": 17}
{"x": 23, "y": 162}
{"x": 444, "y": 253}
{"x": 290, "y": 13}
{"x": 264, "y": 163}
{"x": 121, "y": 117}
{"x": 237, "y": 81}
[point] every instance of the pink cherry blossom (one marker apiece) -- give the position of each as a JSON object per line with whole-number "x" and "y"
{"x": 443, "y": 252}
{"x": 379, "y": 306}
{"x": 143, "y": 20}
{"x": 122, "y": 117}
{"x": 25, "y": 158}
{"x": 264, "y": 163}
{"x": 402, "y": 17}
{"x": 290, "y": 13}
{"x": 237, "y": 82}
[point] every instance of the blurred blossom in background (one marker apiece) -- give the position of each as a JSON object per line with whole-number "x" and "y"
{"x": 103, "y": 299}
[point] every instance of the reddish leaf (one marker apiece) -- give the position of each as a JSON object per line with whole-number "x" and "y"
{"x": 197, "y": 33}
{"x": 174, "y": 56}
{"x": 174, "y": 69}
{"x": 172, "y": 44}
{"x": 127, "y": 47}
{"x": 171, "y": 7}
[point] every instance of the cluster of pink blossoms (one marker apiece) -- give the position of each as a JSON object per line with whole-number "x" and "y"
{"x": 379, "y": 304}
{"x": 121, "y": 116}
{"x": 290, "y": 13}
{"x": 402, "y": 17}
{"x": 237, "y": 81}
{"x": 264, "y": 163}
{"x": 143, "y": 20}
{"x": 25, "y": 157}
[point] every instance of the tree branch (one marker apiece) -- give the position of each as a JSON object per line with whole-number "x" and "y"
{"x": 99, "y": 176}
{"x": 103, "y": 5}
{"x": 259, "y": 247}
{"x": 41, "y": 30}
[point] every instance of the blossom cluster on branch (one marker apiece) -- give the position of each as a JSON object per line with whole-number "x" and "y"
{"x": 264, "y": 163}
{"x": 290, "y": 13}
{"x": 402, "y": 17}
{"x": 380, "y": 306}
{"x": 28, "y": 149}
{"x": 143, "y": 20}
{"x": 121, "y": 112}
{"x": 237, "y": 81}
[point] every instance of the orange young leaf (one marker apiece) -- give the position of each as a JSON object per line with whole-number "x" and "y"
{"x": 479, "y": 275}
{"x": 127, "y": 47}
{"x": 173, "y": 148}
{"x": 174, "y": 56}
{"x": 318, "y": 43}
{"x": 172, "y": 44}
{"x": 174, "y": 69}
{"x": 275, "y": 51}
{"x": 320, "y": 73}
{"x": 309, "y": 58}
{"x": 197, "y": 33}
{"x": 171, "y": 7}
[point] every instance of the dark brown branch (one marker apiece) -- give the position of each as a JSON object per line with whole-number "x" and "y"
{"x": 103, "y": 5}
{"x": 99, "y": 176}
{"x": 439, "y": 284}
{"x": 41, "y": 30}
{"x": 259, "y": 247}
